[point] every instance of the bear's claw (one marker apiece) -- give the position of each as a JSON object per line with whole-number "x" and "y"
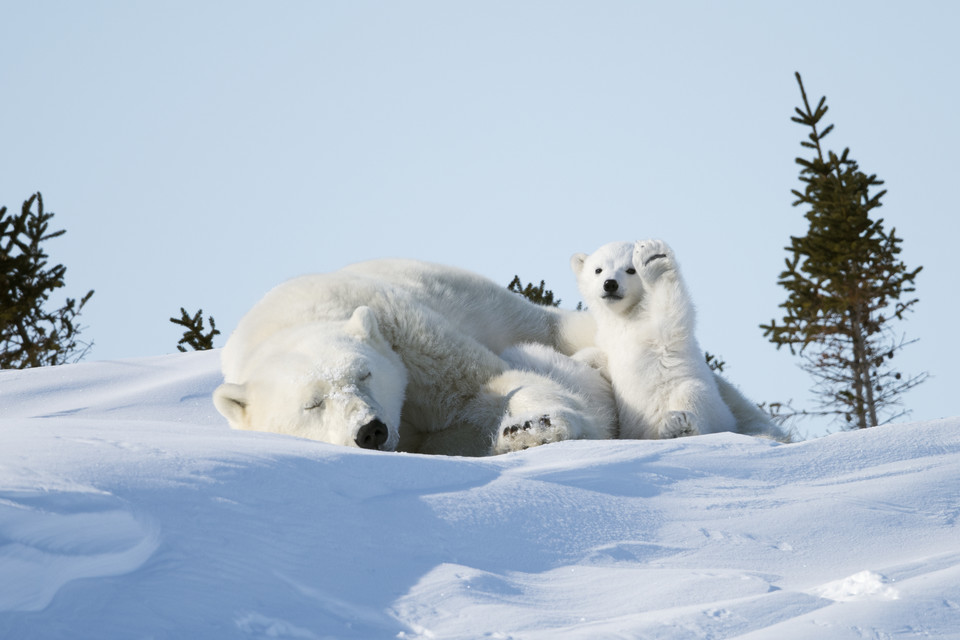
{"x": 648, "y": 252}
{"x": 543, "y": 423}
{"x": 531, "y": 432}
{"x": 679, "y": 424}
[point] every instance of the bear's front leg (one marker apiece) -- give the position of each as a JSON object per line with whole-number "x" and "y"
{"x": 668, "y": 304}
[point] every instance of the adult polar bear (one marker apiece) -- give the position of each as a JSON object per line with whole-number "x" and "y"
{"x": 403, "y": 355}
{"x": 646, "y": 344}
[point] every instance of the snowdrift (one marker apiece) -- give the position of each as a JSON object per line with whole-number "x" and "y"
{"x": 128, "y": 509}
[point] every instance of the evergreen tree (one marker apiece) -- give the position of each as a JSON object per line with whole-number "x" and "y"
{"x": 536, "y": 294}
{"x": 194, "y": 335}
{"x": 716, "y": 363}
{"x": 845, "y": 284}
{"x": 30, "y": 335}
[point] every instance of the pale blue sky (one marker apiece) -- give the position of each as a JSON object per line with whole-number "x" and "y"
{"x": 199, "y": 153}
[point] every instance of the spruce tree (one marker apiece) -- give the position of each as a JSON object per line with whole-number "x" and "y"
{"x": 30, "y": 334}
{"x": 194, "y": 336}
{"x": 716, "y": 363}
{"x": 536, "y": 294}
{"x": 846, "y": 285}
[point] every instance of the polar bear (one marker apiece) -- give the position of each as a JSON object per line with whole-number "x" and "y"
{"x": 645, "y": 335}
{"x": 403, "y": 355}
{"x": 587, "y": 390}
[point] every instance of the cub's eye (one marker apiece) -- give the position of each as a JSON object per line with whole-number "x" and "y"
{"x": 599, "y": 270}
{"x": 313, "y": 405}
{"x": 631, "y": 271}
{"x": 365, "y": 376}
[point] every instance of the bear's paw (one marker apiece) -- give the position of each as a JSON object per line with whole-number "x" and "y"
{"x": 652, "y": 257}
{"x": 517, "y": 434}
{"x": 679, "y": 424}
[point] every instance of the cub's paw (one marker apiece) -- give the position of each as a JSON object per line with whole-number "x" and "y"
{"x": 652, "y": 256}
{"x": 679, "y": 424}
{"x": 517, "y": 434}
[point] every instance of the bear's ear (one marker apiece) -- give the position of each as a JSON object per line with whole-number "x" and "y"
{"x": 363, "y": 324}
{"x": 231, "y": 401}
{"x": 576, "y": 262}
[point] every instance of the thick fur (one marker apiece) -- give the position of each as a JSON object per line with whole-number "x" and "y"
{"x": 587, "y": 397}
{"x": 402, "y": 355}
{"x": 645, "y": 332}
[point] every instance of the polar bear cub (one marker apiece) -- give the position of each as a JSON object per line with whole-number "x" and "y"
{"x": 645, "y": 329}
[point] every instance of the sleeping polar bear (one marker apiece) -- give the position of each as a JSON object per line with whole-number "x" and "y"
{"x": 404, "y": 355}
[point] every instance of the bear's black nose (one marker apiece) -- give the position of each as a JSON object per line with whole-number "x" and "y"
{"x": 371, "y": 435}
{"x": 610, "y": 286}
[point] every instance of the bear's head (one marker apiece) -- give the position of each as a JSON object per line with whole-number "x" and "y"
{"x": 334, "y": 381}
{"x": 607, "y": 279}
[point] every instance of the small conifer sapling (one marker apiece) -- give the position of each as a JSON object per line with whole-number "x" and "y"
{"x": 846, "y": 285}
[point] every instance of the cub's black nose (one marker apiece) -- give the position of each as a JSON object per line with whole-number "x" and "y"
{"x": 610, "y": 285}
{"x": 371, "y": 435}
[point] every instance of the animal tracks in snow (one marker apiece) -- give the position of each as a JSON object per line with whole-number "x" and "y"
{"x": 731, "y": 538}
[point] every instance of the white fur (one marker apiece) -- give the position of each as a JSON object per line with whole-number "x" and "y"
{"x": 331, "y": 378}
{"x": 645, "y": 330}
{"x": 407, "y": 345}
{"x": 583, "y": 402}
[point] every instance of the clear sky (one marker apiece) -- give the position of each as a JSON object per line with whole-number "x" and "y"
{"x": 198, "y": 153}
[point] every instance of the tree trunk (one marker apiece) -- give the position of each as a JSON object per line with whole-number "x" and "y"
{"x": 866, "y": 410}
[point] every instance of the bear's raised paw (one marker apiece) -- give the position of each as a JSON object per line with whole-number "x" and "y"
{"x": 652, "y": 256}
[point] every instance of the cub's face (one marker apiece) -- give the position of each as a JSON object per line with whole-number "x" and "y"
{"x": 608, "y": 279}
{"x": 338, "y": 384}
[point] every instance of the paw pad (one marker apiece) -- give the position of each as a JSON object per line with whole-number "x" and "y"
{"x": 543, "y": 422}
{"x": 680, "y": 424}
{"x": 656, "y": 256}
{"x": 650, "y": 251}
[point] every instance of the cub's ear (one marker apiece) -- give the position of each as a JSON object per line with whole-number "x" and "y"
{"x": 363, "y": 324}
{"x": 576, "y": 262}
{"x": 231, "y": 401}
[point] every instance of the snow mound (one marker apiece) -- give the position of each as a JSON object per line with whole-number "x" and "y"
{"x": 129, "y": 509}
{"x": 865, "y": 584}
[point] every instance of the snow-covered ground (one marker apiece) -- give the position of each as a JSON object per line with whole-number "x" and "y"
{"x": 128, "y": 509}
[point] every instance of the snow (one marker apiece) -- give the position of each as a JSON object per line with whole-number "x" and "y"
{"x": 128, "y": 509}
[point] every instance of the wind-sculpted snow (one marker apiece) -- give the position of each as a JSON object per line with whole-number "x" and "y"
{"x": 66, "y": 537}
{"x": 128, "y": 509}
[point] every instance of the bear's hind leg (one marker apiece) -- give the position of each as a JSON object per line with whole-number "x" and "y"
{"x": 695, "y": 407}
{"x": 679, "y": 424}
{"x": 684, "y": 409}
{"x": 539, "y": 411}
